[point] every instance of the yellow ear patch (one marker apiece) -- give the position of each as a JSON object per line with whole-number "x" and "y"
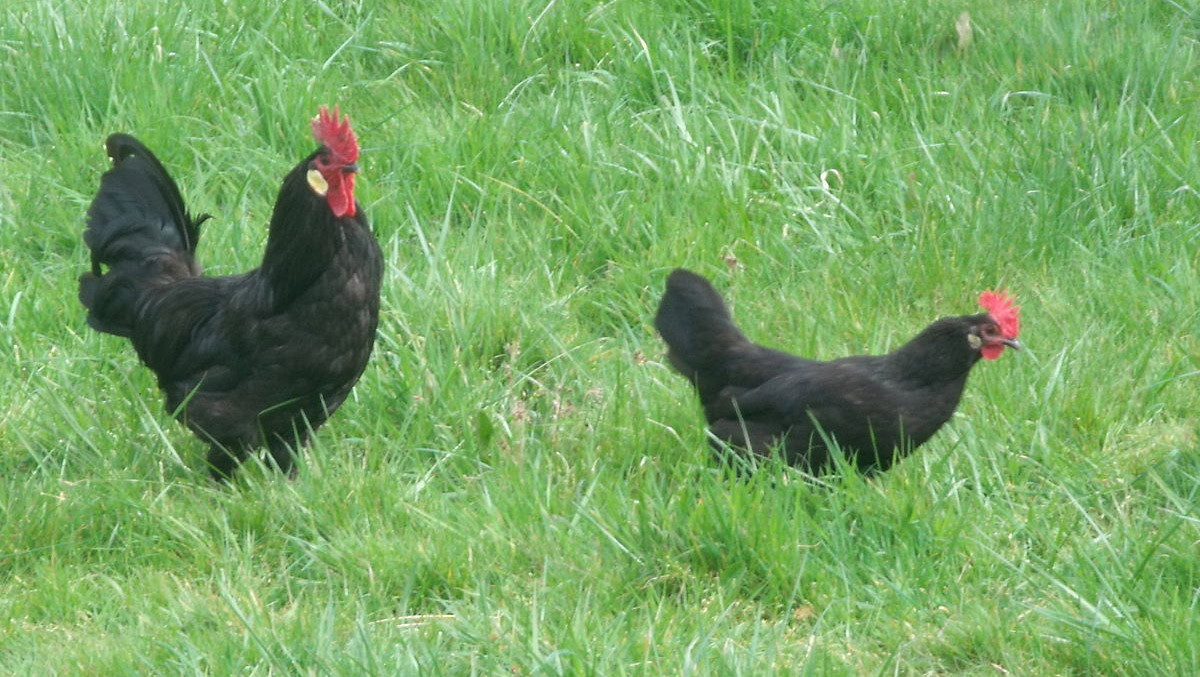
{"x": 317, "y": 182}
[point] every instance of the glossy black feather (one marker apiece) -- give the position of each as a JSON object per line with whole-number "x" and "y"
{"x": 137, "y": 226}
{"x": 258, "y": 359}
{"x": 876, "y": 407}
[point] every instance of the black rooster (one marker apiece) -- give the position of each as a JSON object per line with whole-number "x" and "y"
{"x": 876, "y": 407}
{"x": 246, "y": 360}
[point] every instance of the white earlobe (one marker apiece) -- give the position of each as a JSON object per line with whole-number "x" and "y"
{"x": 317, "y": 182}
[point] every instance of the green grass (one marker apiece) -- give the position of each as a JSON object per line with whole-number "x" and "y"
{"x": 519, "y": 483}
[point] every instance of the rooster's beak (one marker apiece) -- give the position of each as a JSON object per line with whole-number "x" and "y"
{"x": 1012, "y": 343}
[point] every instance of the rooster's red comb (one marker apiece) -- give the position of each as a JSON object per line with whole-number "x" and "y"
{"x": 332, "y": 130}
{"x": 1000, "y": 306}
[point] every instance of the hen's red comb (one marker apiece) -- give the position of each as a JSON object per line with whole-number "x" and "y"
{"x": 1000, "y": 306}
{"x": 333, "y": 131}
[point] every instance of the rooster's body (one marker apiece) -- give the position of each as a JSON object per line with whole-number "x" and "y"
{"x": 876, "y": 407}
{"x": 259, "y": 359}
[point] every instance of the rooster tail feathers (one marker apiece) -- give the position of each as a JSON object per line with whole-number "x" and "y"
{"x": 138, "y": 227}
{"x": 138, "y": 198}
{"x": 696, "y": 325}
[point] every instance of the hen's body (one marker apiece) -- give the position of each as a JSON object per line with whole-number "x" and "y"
{"x": 246, "y": 360}
{"x": 876, "y": 407}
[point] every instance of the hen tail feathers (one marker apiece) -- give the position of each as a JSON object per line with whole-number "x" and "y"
{"x": 697, "y": 327}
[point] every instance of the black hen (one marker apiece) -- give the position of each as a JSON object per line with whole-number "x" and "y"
{"x": 259, "y": 359}
{"x": 876, "y": 407}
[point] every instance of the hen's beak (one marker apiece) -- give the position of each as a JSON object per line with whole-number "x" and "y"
{"x": 1012, "y": 343}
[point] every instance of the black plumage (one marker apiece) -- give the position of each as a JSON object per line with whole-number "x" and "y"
{"x": 251, "y": 360}
{"x": 876, "y": 407}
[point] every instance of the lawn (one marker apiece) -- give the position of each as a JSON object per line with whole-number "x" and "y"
{"x": 520, "y": 484}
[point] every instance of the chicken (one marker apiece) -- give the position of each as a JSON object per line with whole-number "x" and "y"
{"x": 876, "y": 407}
{"x": 252, "y": 360}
